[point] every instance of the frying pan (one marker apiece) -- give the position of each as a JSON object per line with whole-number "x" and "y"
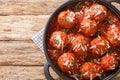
{"x": 49, "y": 63}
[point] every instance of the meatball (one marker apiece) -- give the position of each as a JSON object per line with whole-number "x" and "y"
{"x": 66, "y": 19}
{"x": 79, "y": 45}
{"x": 97, "y": 12}
{"x": 109, "y": 62}
{"x": 88, "y": 27}
{"x": 79, "y": 16}
{"x": 90, "y": 70}
{"x": 111, "y": 18}
{"x": 116, "y": 54}
{"x": 67, "y": 62}
{"x": 58, "y": 39}
{"x": 99, "y": 46}
{"x": 118, "y": 24}
{"x": 113, "y": 35}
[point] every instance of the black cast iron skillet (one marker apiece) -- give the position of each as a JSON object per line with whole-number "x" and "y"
{"x": 49, "y": 63}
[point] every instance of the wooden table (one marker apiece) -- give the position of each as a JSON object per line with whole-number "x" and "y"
{"x": 20, "y": 20}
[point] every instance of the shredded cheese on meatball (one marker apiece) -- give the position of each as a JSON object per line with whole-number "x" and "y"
{"x": 99, "y": 11}
{"x": 71, "y": 16}
{"x": 60, "y": 41}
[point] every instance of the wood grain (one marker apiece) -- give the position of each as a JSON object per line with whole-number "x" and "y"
{"x": 24, "y": 73}
{"x": 21, "y": 27}
{"x": 117, "y": 77}
{"x": 117, "y": 5}
{"x": 29, "y": 7}
{"x": 20, "y": 58}
{"x": 20, "y": 53}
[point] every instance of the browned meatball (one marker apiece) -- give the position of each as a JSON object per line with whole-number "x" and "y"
{"x": 90, "y": 70}
{"x": 111, "y": 18}
{"x": 113, "y": 35}
{"x": 99, "y": 46}
{"x": 79, "y": 16}
{"x": 67, "y": 62}
{"x": 118, "y": 24}
{"x": 58, "y": 39}
{"x": 116, "y": 54}
{"x": 79, "y": 45}
{"x": 66, "y": 19}
{"x": 109, "y": 62}
{"x": 97, "y": 12}
{"x": 88, "y": 27}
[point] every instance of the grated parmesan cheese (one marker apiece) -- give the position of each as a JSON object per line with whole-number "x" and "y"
{"x": 71, "y": 16}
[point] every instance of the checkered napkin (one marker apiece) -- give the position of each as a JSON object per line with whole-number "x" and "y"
{"x": 38, "y": 39}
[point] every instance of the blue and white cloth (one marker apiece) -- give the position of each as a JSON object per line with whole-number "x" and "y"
{"x": 38, "y": 39}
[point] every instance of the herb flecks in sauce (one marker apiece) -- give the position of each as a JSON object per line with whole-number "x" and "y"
{"x": 87, "y": 36}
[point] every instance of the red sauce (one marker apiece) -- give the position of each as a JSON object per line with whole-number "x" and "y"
{"x": 84, "y": 41}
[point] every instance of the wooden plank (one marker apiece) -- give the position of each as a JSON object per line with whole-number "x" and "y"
{"x": 20, "y": 53}
{"x": 117, "y": 77}
{"x": 21, "y": 27}
{"x": 24, "y": 73}
{"x": 117, "y": 5}
{"x": 31, "y": 7}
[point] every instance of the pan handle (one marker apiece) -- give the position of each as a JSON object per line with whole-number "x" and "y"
{"x": 46, "y": 71}
{"x": 118, "y": 1}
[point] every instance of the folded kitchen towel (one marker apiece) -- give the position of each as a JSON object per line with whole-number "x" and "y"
{"x": 38, "y": 39}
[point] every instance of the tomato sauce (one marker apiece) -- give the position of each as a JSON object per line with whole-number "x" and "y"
{"x": 84, "y": 41}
